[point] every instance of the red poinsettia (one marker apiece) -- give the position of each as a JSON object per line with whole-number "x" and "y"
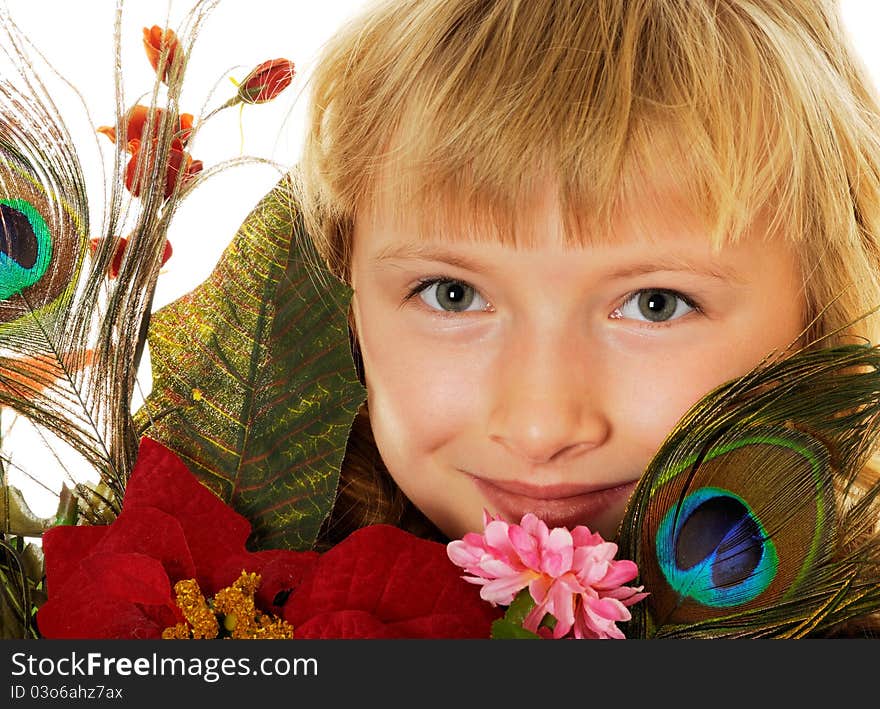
{"x": 382, "y": 582}
{"x": 117, "y": 581}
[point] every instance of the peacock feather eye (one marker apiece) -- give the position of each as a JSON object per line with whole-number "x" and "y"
{"x": 42, "y": 246}
{"x": 755, "y": 518}
{"x": 714, "y": 550}
{"x": 25, "y": 246}
{"x": 721, "y": 541}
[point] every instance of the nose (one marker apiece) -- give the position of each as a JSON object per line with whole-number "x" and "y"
{"x": 547, "y": 405}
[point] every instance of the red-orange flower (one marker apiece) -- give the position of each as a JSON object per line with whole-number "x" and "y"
{"x": 157, "y": 40}
{"x": 180, "y": 166}
{"x": 266, "y": 81}
{"x": 136, "y": 120}
{"x": 121, "y": 244}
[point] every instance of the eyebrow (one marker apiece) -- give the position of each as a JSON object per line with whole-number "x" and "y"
{"x": 681, "y": 265}
{"x": 428, "y": 252}
{"x": 674, "y": 264}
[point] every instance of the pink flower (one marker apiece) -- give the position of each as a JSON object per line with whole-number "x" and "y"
{"x": 571, "y": 575}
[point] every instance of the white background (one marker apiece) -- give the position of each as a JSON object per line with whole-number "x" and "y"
{"x": 76, "y": 37}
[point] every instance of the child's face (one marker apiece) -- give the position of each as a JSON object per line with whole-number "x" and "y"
{"x": 544, "y": 378}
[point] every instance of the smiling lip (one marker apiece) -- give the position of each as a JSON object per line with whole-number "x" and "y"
{"x": 562, "y": 505}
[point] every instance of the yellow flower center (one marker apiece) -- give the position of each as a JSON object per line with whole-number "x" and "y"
{"x": 232, "y": 609}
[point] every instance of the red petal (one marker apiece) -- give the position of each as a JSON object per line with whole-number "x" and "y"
{"x": 397, "y": 578}
{"x": 129, "y": 577}
{"x": 344, "y": 625}
{"x": 64, "y": 548}
{"x": 94, "y": 617}
{"x": 149, "y": 531}
{"x": 214, "y": 531}
{"x": 111, "y": 596}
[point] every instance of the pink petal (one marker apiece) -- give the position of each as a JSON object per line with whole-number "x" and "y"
{"x": 477, "y": 580}
{"x": 463, "y": 554}
{"x": 534, "y": 618}
{"x": 609, "y": 608}
{"x": 556, "y": 596}
{"x": 590, "y": 570}
{"x": 628, "y": 595}
{"x": 502, "y": 590}
{"x": 535, "y": 527}
{"x": 497, "y": 540}
{"x": 618, "y": 574}
{"x": 489, "y": 517}
{"x": 592, "y": 627}
{"x": 526, "y": 547}
{"x": 538, "y": 588}
{"x": 472, "y": 539}
{"x": 557, "y": 552}
{"x": 561, "y": 604}
{"x": 496, "y": 568}
{"x": 596, "y": 619}
{"x": 583, "y": 537}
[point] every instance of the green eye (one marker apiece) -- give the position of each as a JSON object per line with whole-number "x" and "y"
{"x": 655, "y": 305}
{"x": 451, "y": 296}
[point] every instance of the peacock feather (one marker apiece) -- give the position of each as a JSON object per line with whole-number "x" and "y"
{"x": 754, "y": 518}
{"x": 70, "y": 336}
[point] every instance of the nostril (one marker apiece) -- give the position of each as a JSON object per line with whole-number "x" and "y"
{"x": 541, "y": 447}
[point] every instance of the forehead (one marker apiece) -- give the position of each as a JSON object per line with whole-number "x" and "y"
{"x": 656, "y": 210}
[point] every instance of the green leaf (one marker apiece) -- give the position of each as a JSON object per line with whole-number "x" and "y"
{"x": 253, "y": 381}
{"x": 510, "y": 627}
{"x": 16, "y": 517}
{"x": 21, "y": 587}
{"x": 503, "y": 629}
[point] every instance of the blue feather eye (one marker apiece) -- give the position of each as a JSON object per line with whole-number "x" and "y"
{"x": 714, "y": 550}
{"x": 43, "y": 245}
{"x": 25, "y": 246}
{"x": 733, "y": 527}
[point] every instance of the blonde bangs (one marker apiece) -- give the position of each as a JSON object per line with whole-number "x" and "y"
{"x": 456, "y": 111}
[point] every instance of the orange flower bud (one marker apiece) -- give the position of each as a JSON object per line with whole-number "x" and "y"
{"x": 119, "y": 251}
{"x": 136, "y": 120}
{"x": 266, "y": 81}
{"x": 157, "y": 40}
{"x": 109, "y": 131}
{"x": 180, "y": 166}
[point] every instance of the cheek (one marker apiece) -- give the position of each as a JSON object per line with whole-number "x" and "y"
{"x": 644, "y": 409}
{"x": 648, "y": 401}
{"x": 420, "y": 397}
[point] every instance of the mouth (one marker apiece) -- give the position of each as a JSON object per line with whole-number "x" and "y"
{"x": 563, "y": 505}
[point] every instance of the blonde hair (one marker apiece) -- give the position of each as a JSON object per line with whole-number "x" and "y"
{"x": 747, "y": 106}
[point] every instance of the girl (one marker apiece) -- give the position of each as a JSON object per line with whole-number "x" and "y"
{"x": 564, "y": 222}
